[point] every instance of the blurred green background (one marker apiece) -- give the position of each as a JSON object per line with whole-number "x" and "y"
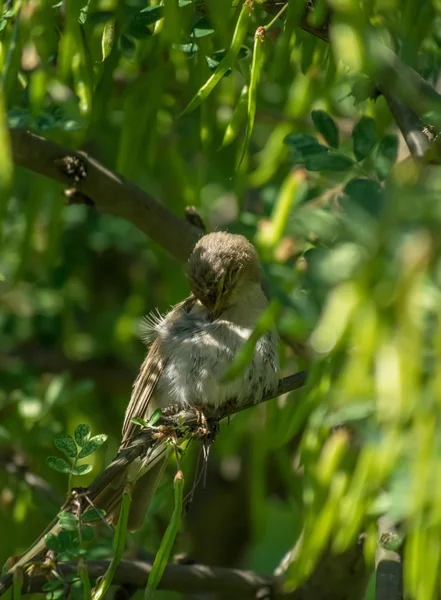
{"x": 346, "y": 225}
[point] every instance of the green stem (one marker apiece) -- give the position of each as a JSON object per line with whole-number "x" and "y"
{"x": 279, "y": 14}
{"x": 167, "y": 542}
{"x": 119, "y": 542}
{"x": 69, "y": 483}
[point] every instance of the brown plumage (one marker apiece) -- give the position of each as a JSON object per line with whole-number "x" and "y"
{"x": 189, "y": 350}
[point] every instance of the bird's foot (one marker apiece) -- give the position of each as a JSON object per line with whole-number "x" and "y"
{"x": 208, "y": 426}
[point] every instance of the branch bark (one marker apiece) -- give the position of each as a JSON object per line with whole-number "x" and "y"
{"x": 389, "y": 569}
{"x": 109, "y": 192}
{"x": 187, "y": 421}
{"x": 405, "y": 91}
{"x": 185, "y": 579}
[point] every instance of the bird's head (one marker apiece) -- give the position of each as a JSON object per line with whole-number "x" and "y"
{"x": 221, "y": 268}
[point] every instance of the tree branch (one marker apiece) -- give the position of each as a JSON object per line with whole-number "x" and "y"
{"x": 389, "y": 570}
{"x": 336, "y": 576}
{"x": 409, "y": 125}
{"x": 185, "y": 579}
{"x": 184, "y": 423}
{"x": 401, "y": 86}
{"x": 108, "y": 192}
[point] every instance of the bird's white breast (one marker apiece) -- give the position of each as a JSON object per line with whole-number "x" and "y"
{"x": 200, "y": 351}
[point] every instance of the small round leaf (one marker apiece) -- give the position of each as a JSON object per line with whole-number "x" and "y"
{"x": 58, "y": 464}
{"x": 325, "y": 124}
{"x": 82, "y": 434}
{"x": 93, "y": 444}
{"x": 66, "y": 445}
{"x": 93, "y": 514}
{"x": 81, "y": 470}
{"x": 328, "y": 162}
{"x": 386, "y": 155}
{"x": 364, "y": 136}
{"x": 52, "y": 543}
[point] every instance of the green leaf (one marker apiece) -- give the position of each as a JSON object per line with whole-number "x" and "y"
{"x": 364, "y": 137}
{"x": 303, "y": 145}
{"x": 108, "y": 39}
{"x": 68, "y": 521}
{"x": 82, "y": 434}
{"x": 299, "y": 156}
{"x": 139, "y": 421}
{"x": 81, "y": 470}
{"x": 138, "y": 26}
{"x": 239, "y": 35}
{"x": 55, "y": 583}
{"x": 386, "y": 155}
{"x": 300, "y": 141}
{"x": 188, "y": 49}
{"x": 66, "y": 445}
{"x": 52, "y": 543}
{"x": 202, "y": 28}
{"x": 326, "y": 126}
{"x": 365, "y": 193}
{"x": 93, "y": 444}
{"x": 155, "y": 417}
{"x": 93, "y": 514}
{"x": 328, "y": 162}
{"x": 58, "y": 464}
{"x": 65, "y": 540}
{"x": 56, "y": 594}
{"x": 213, "y": 64}
{"x": 127, "y": 46}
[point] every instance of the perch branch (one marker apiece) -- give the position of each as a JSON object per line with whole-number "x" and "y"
{"x": 185, "y": 420}
{"x": 185, "y": 579}
{"x": 107, "y": 191}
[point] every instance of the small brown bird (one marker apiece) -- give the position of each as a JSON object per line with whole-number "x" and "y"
{"x": 190, "y": 349}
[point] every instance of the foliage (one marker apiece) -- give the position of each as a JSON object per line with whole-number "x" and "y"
{"x": 280, "y": 136}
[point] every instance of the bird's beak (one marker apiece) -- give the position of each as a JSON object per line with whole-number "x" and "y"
{"x": 220, "y": 298}
{"x": 218, "y": 306}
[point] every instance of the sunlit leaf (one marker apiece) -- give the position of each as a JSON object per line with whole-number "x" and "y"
{"x": 81, "y": 469}
{"x": 92, "y": 444}
{"x": 58, "y": 464}
{"x": 66, "y": 444}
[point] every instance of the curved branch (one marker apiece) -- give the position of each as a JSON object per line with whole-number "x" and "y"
{"x": 107, "y": 191}
{"x": 184, "y": 423}
{"x": 407, "y": 94}
{"x": 185, "y": 579}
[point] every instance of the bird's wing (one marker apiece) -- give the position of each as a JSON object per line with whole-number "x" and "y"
{"x": 148, "y": 377}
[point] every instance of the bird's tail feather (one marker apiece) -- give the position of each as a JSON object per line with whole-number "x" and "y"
{"x": 143, "y": 489}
